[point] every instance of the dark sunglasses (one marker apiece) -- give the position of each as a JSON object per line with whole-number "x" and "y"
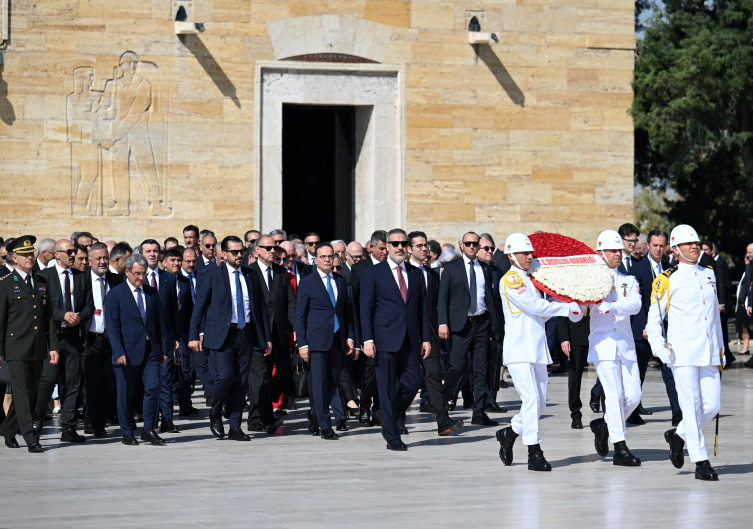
{"x": 314, "y": 243}
{"x": 234, "y": 253}
{"x": 252, "y": 241}
{"x": 468, "y": 244}
{"x": 70, "y": 253}
{"x": 395, "y": 244}
{"x": 487, "y": 248}
{"x": 282, "y": 260}
{"x": 337, "y": 267}
{"x": 268, "y": 248}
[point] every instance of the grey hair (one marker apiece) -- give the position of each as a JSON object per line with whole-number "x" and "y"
{"x": 339, "y": 241}
{"x": 447, "y": 256}
{"x": 46, "y": 245}
{"x": 207, "y": 234}
{"x": 99, "y": 246}
{"x": 300, "y": 248}
{"x": 136, "y": 259}
{"x": 378, "y": 235}
{"x": 279, "y": 232}
{"x": 488, "y": 237}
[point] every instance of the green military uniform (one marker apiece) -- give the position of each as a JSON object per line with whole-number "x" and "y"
{"x": 26, "y": 320}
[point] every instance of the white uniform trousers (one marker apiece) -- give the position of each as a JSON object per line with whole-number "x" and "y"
{"x": 621, "y": 381}
{"x": 699, "y": 390}
{"x": 530, "y": 382}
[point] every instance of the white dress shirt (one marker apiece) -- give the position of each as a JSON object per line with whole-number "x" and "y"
{"x": 374, "y": 261}
{"x": 480, "y": 285}
{"x": 244, "y": 287}
{"x": 420, "y": 266}
{"x": 263, "y": 269}
{"x": 41, "y": 266}
{"x": 61, "y": 278}
{"x": 98, "y": 321}
{"x": 393, "y": 267}
{"x": 332, "y": 281}
{"x": 206, "y": 261}
{"x": 113, "y": 270}
{"x": 656, "y": 268}
{"x": 149, "y": 274}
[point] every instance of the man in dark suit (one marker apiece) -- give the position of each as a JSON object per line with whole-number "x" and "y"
{"x": 486, "y": 255}
{"x": 46, "y": 254}
{"x": 229, "y": 316}
{"x": 573, "y": 339}
{"x": 724, "y": 292}
{"x": 629, "y": 234}
{"x": 73, "y": 306}
{"x": 279, "y": 300}
{"x": 140, "y": 344}
{"x": 396, "y": 332}
{"x": 325, "y": 334}
{"x": 26, "y": 331}
{"x": 207, "y": 248}
{"x": 6, "y": 262}
{"x": 500, "y": 260}
{"x": 341, "y": 250}
{"x": 467, "y": 316}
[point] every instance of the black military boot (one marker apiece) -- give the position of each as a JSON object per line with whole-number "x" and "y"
{"x": 506, "y": 438}
{"x": 601, "y": 436}
{"x": 623, "y": 457}
{"x": 704, "y": 472}
{"x": 536, "y": 460}
{"x": 676, "y": 444}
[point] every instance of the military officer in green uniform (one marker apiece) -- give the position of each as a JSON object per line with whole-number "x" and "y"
{"x": 25, "y": 323}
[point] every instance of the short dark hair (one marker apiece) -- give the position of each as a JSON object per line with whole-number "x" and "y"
{"x": 657, "y": 233}
{"x": 396, "y": 230}
{"x": 320, "y": 246}
{"x": 293, "y": 236}
{"x": 312, "y": 234}
{"x": 184, "y": 250}
{"x": 470, "y": 233}
{"x": 150, "y": 242}
{"x": 279, "y": 250}
{"x": 171, "y": 239}
{"x": 488, "y": 237}
{"x": 378, "y": 236}
{"x": 202, "y": 233}
{"x": 98, "y": 246}
{"x": 435, "y": 247}
{"x": 120, "y": 250}
{"x": 706, "y": 242}
{"x": 279, "y": 232}
{"x": 192, "y": 228}
{"x": 81, "y": 248}
{"x": 412, "y": 235}
{"x": 227, "y": 240}
{"x": 626, "y": 229}
{"x": 83, "y": 234}
{"x": 245, "y": 235}
{"x": 173, "y": 252}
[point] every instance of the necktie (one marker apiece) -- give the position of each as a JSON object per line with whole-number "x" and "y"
{"x": 103, "y": 287}
{"x": 331, "y": 293}
{"x": 239, "y": 310}
{"x": 140, "y": 303}
{"x": 28, "y": 281}
{"x": 68, "y": 307}
{"x": 401, "y": 284}
{"x": 193, "y": 291}
{"x": 473, "y": 305}
{"x": 269, "y": 282}
{"x": 153, "y": 283}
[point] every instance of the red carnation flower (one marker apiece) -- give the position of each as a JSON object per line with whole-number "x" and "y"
{"x": 556, "y": 245}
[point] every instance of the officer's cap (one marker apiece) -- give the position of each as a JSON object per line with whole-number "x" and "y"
{"x": 24, "y": 244}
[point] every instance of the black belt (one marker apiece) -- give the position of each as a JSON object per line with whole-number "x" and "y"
{"x": 67, "y": 330}
{"x": 478, "y": 317}
{"x": 235, "y": 325}
{"x": 96, "y": 333}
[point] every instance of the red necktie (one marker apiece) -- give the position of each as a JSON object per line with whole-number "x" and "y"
{"x": 154, "y": 282}
{"x": 68, "y": 307}
{"x": 401, "y": 282}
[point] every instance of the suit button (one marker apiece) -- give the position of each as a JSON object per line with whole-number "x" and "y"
{"x": 35, "y": 317}
{"x": 35, "y": 306}
{"x": 35, "y": 328}
{"x": 615, "y": 330}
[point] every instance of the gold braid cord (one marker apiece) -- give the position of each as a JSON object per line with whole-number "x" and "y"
{"x": 515, "y": 282}
{"x": 660, "y": 289}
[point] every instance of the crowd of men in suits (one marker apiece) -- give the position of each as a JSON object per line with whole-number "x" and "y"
{"x": 259, "y": 321}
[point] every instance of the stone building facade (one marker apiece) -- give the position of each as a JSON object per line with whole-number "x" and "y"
{"x": 111, "y": 122}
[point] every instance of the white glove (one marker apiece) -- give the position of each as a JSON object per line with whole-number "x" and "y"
{"x": 604, "y": 307}
{"x": 576, "y": 313}
{"x": 664, "y": 354}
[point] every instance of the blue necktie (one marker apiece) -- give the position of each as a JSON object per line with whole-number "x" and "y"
{"x": 193, "y": 290}
{"x": 334, "y": 301}
{"x": 140, "y": 303}
{"x": 473, "y": 305}
{"x": 239, "y": 311}
{"x": 269, "y": 282}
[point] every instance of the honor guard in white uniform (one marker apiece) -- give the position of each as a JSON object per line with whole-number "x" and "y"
{"x": 526, "y": 352}
{"x": 684, "y": 329}
{"x": 612, "y": 350}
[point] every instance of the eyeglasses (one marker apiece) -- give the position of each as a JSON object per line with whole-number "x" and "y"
{"x": 337, "y": 267}
{"x": 630, "y": 241}
{"x": 282, "y": 260}
{"x": 268, "y": 248}
{"x": 356, "y": 258}
{"x": 137, "y": 274}
{"x": 487, "y": 248}
{"x": 395, "y": 244}
{"x": 325, "y": 257}
{"x": 234, "y": 253}
{"x": 312, "y": 243}
{"x": 419, "y": 246}
{"x": 468, "y": 244}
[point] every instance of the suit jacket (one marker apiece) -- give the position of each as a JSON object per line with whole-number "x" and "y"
{"x": 497, "y": 275}
{"x": 432, "y": 293}
{"x": 575, "y": 333}
{"x": 644, "y": 276}
{"x": 128, "y": 331}
{"x": 455, "y": 296}
{"x": 200, "y": 262}
{"x": 213, "y": 310}
{"x": 303, "y": 268}
{"x": 745, "y": 286}
{"x": 280, "y": 310}
{"x": 501, "y": 261}
{"x": 385, "y": 317}
{"x": 185, "y": 307}
{"x": 315, "y": 315}
{"x": 628, "y": 270}
{"x": 345, "y": 272}
{"x": 724, "y": 289}
{"x": 83, "y": 302}
{"x": 168, "y": 299}
{"x": 354, "y": 290}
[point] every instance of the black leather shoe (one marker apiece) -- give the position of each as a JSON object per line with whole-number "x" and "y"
{"x": 329, "y": 434}
{"x": 601, "y": 436}
{"x": 467, "y": 405}
{"x": 10, "y": 442}
{"x": 363, "y": 418}
{"x": 36, "y": 425}
{"x": 594, "y": 402}
{"x": 396, "y": 444}
{"x": 451, "y": 404}
{"x": 677, "y": 419}
{"x": 427, "y": 407}
{"x": 255, "y": 427}
{"x": 749, "y": 363}
{"x": 400, "y": 426}
{"x": 209, "y": 401}
{"x": 342, "y": 425}
{"x": 635, "y": 419}
{"x": 704, "y": 472}
{"x": 676, "y": 444}
{"x": 35, "y": 448}
{"x": 236, "y": 434}
{"x": 130, "y": 440}
{"x": 448, "y": 426}
{"x": 493, "y": 407}
{"x": 536, "y": 459}
{"x": 506, "y": 438}
{"x": 623, "y": 457}
{"x": 167, "y": 426}
{"x": 561, "y": 370}
{"x": 503, "y": 384}
{"x": 70, "y": 435}
{"x": 280, "y": 412}
{"x": 273, "y": 426}
{"x": 483, "y": 420}
{"x": 88, "y": 429}
{"x": 577, "y": 424}
{"x": 152, "y": 437}
{"x": 215, "y": 425}
{"x": 313, "y": 423}
{"x": 377, "y": 418}
{"x": 644, "y": 411}
{"x": 99, "y": 432}
{"x": 188, "y": 412}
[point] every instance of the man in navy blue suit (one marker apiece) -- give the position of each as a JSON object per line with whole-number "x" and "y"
{"x": 629, "y": 234}
{"x": 324, "y": 330}
{"x": 396, "y": 331}
{"x": 230, "y": 318}
{"x": 138, "y": 339}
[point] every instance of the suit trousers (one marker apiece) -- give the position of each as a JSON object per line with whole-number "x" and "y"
{"x": 259, "y": 388}
{"x": 473, "y": 338}
{"x": 667, "y": 374}
{"x": 204, "y": 367}
{"x": 166, "y": 387}
{"x": 67, "y": 374}
{"x": 645, "y": 354}
{"x": 325, "y": 378}
{"x": 390, "y": 367}
{"x": 348, "y": 386}
{"x": 578, "y": 360}
{"x": 530, "y": 382}
{"x": 338, "y": 406}
{"x": 365, "y": 370}
{"x": 184, "y": 393}
{"x": 700, "y": 392}
{"x": 229, "y": 361}
{"x": 24, "y": 380}
{"x": 97, "y": 366}
{"x": 621, "y": 381}
{"x": 282, "y": 379}
{"x": 128, "y": 379}
{"x": 725, "y": 335}
{"x": 433, "y": 373}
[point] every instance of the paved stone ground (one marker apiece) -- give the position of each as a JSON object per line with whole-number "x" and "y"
{"x": 291, "y": 478}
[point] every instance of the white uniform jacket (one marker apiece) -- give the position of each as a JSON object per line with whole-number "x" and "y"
{"x": 687, "y": 295}
{"x": 610, "y": 321}
{"x": 525, "y": 314}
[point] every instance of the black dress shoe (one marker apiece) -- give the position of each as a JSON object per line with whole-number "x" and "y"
{"x": 215, "y": 425}
{"x": 677, "y": 419}
{"x": 749, "y": 363}
{"x": 342, "y": 425}
{"x": 313, "y": 423}
{"x": 99, "y": 432}
{"x": 255, "y": 427}
{"x": 70, "y": 435}
{"x": 273, "y": 426}
{"x": 448, "y": 426}
{"x": 483, "y": 420}
{"x": 279, "y": 412}
{"x": 377, "y": 418}
{"x": 503, "y": 384}
{"x": 188, "y": 412}
{"x": 167, "y": 426}
{"x": 236, "y": 434}
{"x": 644, "y": 411}
{"x": 623, "y": 457}
{"x": 10, "y": 442}
{"x": 467, "y": 405}
{"x": 209, "y": 401}
{"x": 704, "y": 472}
{"x": 676, "y": 444}
{"x": 400, "y": 426}
{"x": 36, "y": 425}
{"x": 130, "y": 440}
{"x": 88, "y": 429}
{"x": 329, "y": 434}
{"x": 594, "y": 402}
{"x": 561, "y": 370}
{"x": 396, "y": 444}
{"x": 577, "y": 424}
{"x": 495, "y": 408}
{"x": 506, "y": 438}
{"x": 427, "y": 407}
{"x": 152, "y": 437}
{"x": 35, "y": 448}
{"x": 635, "y": 419}
{"x": 451, "y": 404}
{"x": 601, "y": 436}
{"x": 536, "y": 459}
{"x": 363, "y": 418}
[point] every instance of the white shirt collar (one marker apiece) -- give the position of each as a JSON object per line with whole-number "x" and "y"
{"x": 374, "y": 261}
{"x": 60, "y": 269}
{"x": 133, "y": 288}
{"x": 323, "y": 275}
{"x": 394, "y": 265}
{"x": 417, "y": 265}
{"x": 206, "y": 261}
{"x": 465, "y": 258}
{"x": 186, "y": 273}
{"x": 263, "y": 267}
{"x": 113, "y": 270}
{"x": 231, "y": 271}
{"x": 21, "y": 273}
{"x": 95, "y": 277}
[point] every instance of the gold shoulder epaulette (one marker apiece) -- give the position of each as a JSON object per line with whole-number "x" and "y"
{"x": 710, "y": 267}
{"x": 669, "y": 271}
{"x": 5, "y": 276}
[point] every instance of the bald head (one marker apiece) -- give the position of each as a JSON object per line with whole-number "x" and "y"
{"x": 354, "y": 250}
{"x": 64, "y": 253}
{"x": 289, "y": 247}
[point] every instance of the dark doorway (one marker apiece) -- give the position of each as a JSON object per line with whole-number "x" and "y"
{"x": 318, "y": 170}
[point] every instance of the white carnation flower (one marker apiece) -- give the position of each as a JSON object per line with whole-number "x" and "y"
{"x": 579, "y": 282}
